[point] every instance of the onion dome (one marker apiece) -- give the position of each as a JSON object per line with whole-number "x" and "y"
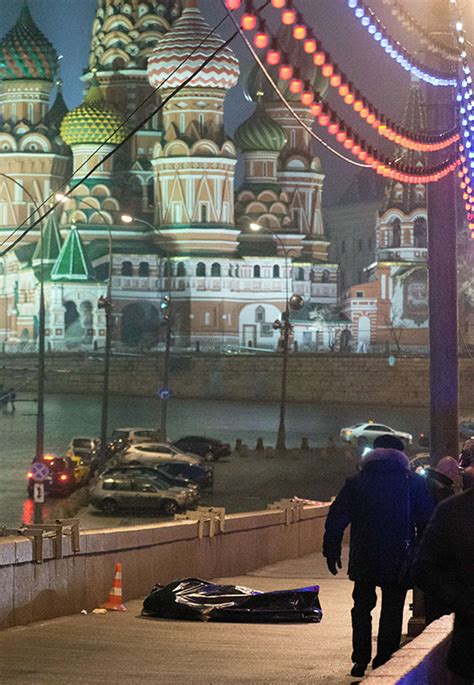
{"x": 184, "y": 49}
{"x": 26, "y": 53}
{"x": 292, "y": 52}
{"x": 260, "y": 133}
{"x": 95, "y": 121}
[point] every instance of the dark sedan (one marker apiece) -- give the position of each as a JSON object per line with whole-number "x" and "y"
{"x": 208, "y": 448}
{"x": 61, "y": 480}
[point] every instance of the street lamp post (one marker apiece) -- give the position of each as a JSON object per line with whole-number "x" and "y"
{"x": 106, "y": 304}
{"x": 285, "y": 328}
{"x": 39, "y": 447}
{"x": 167, "y": 301}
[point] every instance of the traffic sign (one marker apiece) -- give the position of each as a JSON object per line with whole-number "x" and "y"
{"x": 164, "y": 393}
{"x": 40, "y": 471}
{"x": 38, "y": 493}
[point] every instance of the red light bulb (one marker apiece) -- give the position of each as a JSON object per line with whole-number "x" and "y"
{"x": 310, "y": 46}
{"x": 300, "y": 32}
{"x": 248, "y": 21}
{"x": 316, "y": 109}
{"x": 327, "y": 70}
{"x": 296, "y": 86}
{"x": 279, "y": 4}
{"x": 319, "y": 58}
{"x": 233, "y": 4}
{"x": 273, "y": 57}
{"x": 261, "y": 40}
{"x": 286, "y": 72}
{"x": 288, "y": 16}
{"x": 307, "y": 98}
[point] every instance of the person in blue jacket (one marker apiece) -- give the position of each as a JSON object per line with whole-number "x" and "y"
{"x": 387, "y": 507}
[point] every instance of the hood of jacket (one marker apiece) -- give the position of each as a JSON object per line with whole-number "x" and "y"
{"x": 386, "y": 456}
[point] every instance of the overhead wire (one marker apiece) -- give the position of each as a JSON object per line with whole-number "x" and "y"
{"x": 129, "y": 135}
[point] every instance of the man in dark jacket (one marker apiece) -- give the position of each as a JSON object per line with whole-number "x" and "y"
{"x": 387, "y": 507}
{"x": 445, "y": 569}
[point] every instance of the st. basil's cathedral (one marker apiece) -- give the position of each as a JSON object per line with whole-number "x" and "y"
{"x": 164, "y": 215}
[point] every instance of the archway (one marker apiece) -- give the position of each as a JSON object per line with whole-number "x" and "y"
{"x": 74, "y": 332}
{"x": 140, "y": 325}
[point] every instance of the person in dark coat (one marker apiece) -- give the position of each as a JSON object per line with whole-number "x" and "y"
{"x": 445, "y": 568}
{"x": 386, "y": 505}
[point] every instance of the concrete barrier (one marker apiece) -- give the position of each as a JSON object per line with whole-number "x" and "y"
{"x": 421, "y": 661}
{"x": 149, "y": 554}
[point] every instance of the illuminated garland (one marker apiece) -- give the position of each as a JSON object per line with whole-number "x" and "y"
{"x": 411, "y": 24}
{"x": 465, "y": 102}
{"x": 263, "y": 38}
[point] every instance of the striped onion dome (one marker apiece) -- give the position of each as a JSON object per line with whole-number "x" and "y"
{"x": 179, "y": 53}
{"x": 95, "y": 121}
{"x": 26, "y": 53}
{"x": 260, "y": 133}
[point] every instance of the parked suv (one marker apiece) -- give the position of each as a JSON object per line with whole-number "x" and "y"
{"x": 208, "y": 448}
{"x": 115, "y": 493}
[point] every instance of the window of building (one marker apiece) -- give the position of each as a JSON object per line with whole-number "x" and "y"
{"x": 260, "y": 315}
{"x": 325, "y": 276}
{"x": 216, "y": 270}
{"x": 419, "y": 232}
{"x": 256, "y": 271}
{"x": 207, "y": 318}
{"x": 396, "y": 233}
{"x": 177, "y": 212}
{"x": 150, "y": 192}
{"x": 276, "y": 271}
{"x": 300, "y": 274}
{"x": 201, "y": 269}
{"x": 359, "y": 293}
{"x": 144, "y": 269}
{"x": 203, "y": 212}
{"x": 127, "y": 269}
{"x": 343, "y": 247}
{"x": 167, "y": 269}
{"x": 181, "y": 270}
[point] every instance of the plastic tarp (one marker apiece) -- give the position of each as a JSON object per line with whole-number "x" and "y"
{"x": 196, "y": 599}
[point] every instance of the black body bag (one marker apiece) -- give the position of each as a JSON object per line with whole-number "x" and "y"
{"x": 195, "y": 599}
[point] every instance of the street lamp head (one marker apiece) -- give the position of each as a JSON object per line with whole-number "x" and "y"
{"x": 127, "y": 219}
{"x": 255, "y": 227}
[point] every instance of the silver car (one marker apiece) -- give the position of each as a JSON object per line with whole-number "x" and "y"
{"x": 114, "y": 493}
{"x": 154, "y": 453}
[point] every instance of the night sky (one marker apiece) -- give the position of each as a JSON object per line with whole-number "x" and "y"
{"x": 67, "y": 23}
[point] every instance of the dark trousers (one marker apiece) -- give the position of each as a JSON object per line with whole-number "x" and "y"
{"x": 390, "y": 625}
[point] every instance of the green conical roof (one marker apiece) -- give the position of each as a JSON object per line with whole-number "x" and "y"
{"x": 72, "y": 263}
{"x": 25, "y": 53}
{"x": 52, "y": 243}
{"x": 260, "y": 133}
{"x": 95, "y": 121}
{"x": 58, "y": 110}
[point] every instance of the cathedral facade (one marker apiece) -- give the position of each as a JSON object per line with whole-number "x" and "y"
{"x": 162, "y": 215}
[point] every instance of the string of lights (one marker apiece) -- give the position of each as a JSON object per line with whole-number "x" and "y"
{"x": 51, "y": 202}
{"x": 464, "y": 99}
{"x": 411, "y": 24}
{"x": 369, "y": 157}
{"x": 265, "y": 39}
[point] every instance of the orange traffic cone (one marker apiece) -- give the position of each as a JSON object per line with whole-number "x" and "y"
{"x": 114, "y": 602}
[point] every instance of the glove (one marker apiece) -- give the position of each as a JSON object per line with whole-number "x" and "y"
{"x": 333, "y": 564}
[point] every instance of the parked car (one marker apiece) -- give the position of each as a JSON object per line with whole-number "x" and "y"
{"x": 365, "y": 433}
{"x": 209, "y": 449}
{"x": 61, "y": 480}
{"x": 152, "y": 452}
{"x": 202, "y": 474}
{"x": 83, "y": 447}
{"x": 136, "y": 435}
{"x": 159, "y": 474}
{"x": 82, "y": 470}
{"x": 115, "y": 493}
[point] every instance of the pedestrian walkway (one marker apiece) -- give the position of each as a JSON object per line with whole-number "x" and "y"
{"x": 123, "y": 648}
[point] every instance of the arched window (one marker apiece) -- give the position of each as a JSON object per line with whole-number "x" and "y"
{"x": 127, "y": 269}
{"x": 260, "y": 315}
{"x": 398, "y": 192}
{"x": 216, "y": 270}
{"x": 419, "y": 233}
{"x": 167, "y": 269}
{"x": 276, "y": 271}
{"x": 325, "y": 276}
{"x": 181, "y": 270}
{"x": 201, "y": 269}
{"x": 420, "y": 192}
{"x": 300, "y": 274}
{"x": 144, "y": 269}
{"x": 150, "y": 192}
{"x": 396, "y": 233}
{"x": 256, "y": 271}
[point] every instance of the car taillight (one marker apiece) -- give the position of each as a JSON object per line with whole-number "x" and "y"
{"x": 63, "y": 476}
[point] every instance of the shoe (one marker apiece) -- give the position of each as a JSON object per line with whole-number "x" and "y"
{"x": 358, "y": 670}
{"x": 379, "y": 661}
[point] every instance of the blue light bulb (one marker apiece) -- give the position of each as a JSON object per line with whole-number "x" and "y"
{"x": 359, "y": 12}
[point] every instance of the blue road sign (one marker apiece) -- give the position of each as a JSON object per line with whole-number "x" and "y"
{"x": 164, "y": 393}
{"x": 40, "y": 471}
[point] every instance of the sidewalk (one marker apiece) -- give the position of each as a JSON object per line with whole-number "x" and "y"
{"x": 123, "y": 648}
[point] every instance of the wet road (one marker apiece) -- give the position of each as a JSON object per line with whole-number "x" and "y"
{"x": 74, "y": 415}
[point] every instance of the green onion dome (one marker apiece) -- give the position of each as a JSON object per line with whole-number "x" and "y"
{"x": 95, "y": 121}
{"x": 25, "y": 53}
{"x": 260, "y": 133}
